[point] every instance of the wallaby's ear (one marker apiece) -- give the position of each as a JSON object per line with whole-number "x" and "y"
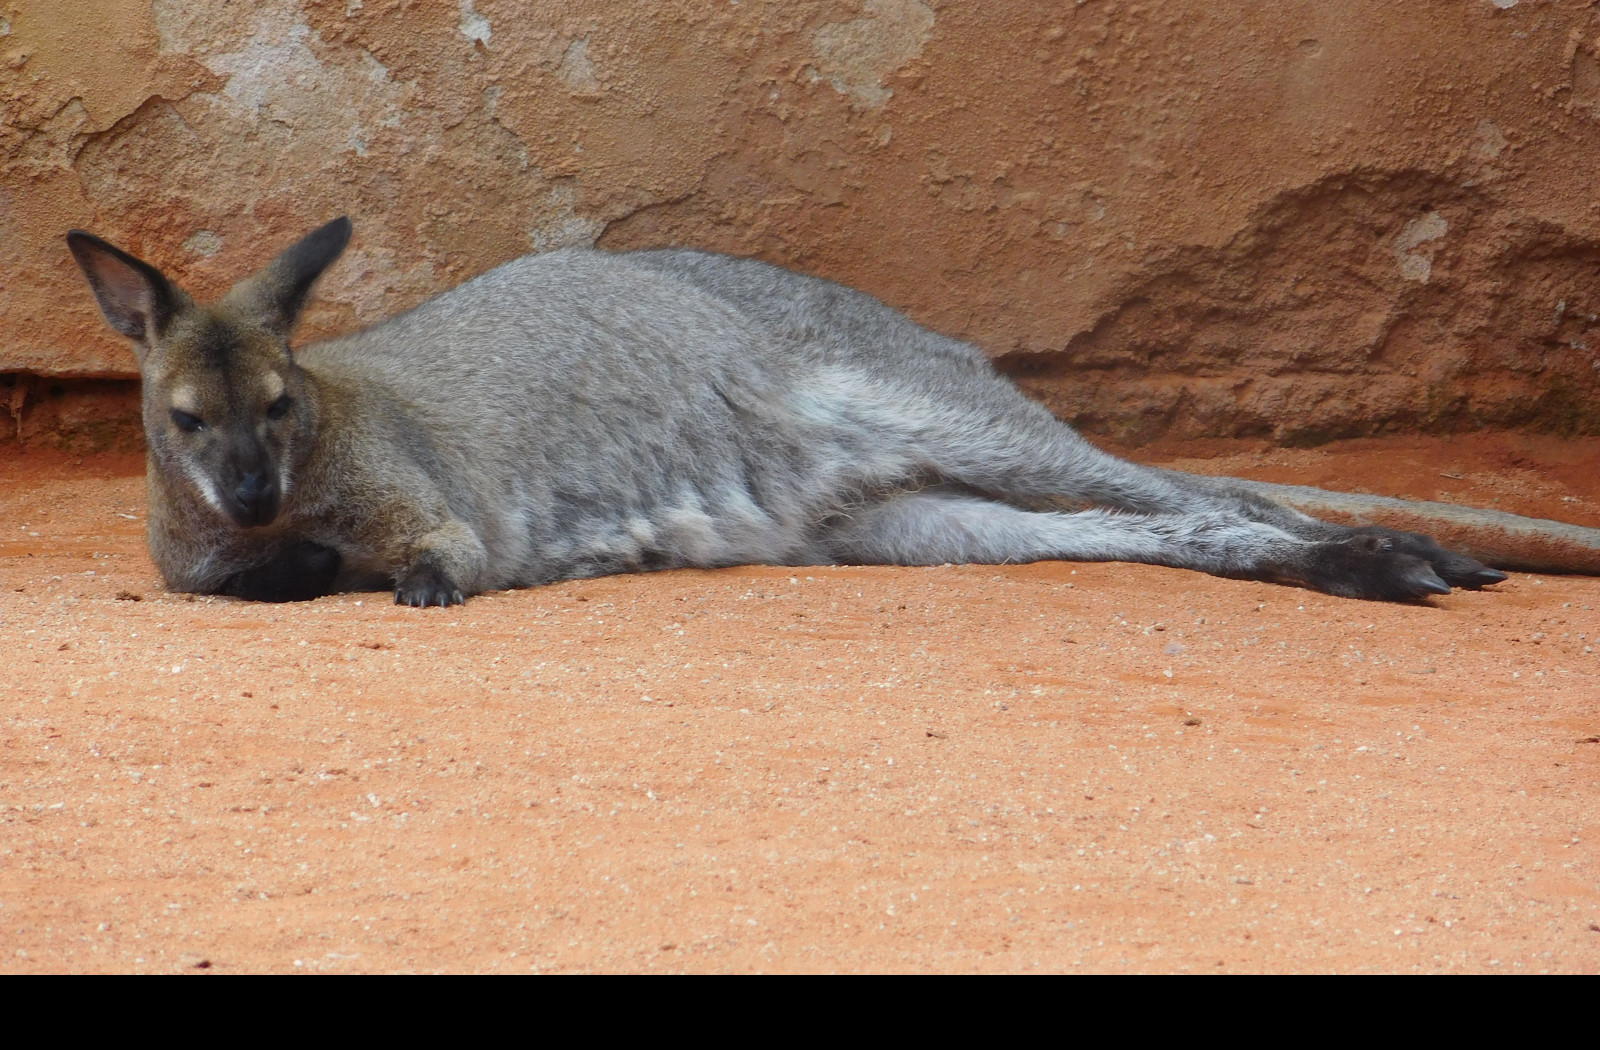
{"x": 275, "y": 294}
{"x": 136, "y": 298}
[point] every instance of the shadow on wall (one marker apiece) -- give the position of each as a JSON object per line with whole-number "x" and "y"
{"x": 1297, "y": 329}
{"x": 71, "y": 415}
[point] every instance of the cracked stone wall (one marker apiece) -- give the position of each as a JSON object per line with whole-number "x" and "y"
{"x": 1298, "y": 220}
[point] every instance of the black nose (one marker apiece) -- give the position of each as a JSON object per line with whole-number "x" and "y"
{"x": 257, "y": 498}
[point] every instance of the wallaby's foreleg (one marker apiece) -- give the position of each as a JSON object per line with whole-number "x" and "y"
{"x": 431, "y": 556}
{"x": 441, "y": 568}
{"x": 931, "y": 527}
{"x": 298, "y": 571}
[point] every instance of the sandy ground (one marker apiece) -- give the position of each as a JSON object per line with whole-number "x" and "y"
{"x": 1053, "y": 767}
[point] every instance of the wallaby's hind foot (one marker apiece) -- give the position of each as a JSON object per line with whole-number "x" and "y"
{"x": 1454, "y": 568}
{"x": 299, "y": 571}
{"x": 1365, "y": 567}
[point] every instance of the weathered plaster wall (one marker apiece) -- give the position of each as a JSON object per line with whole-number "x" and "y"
{"x": 1297, "y": 219}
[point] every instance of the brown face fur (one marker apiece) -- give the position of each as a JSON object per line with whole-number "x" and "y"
{"x": 226, "y": 410}
{"x": 225, "y": 407}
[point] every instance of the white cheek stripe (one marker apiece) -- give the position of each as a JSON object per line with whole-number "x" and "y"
{"x": 284, "y": 456}
{"x": 203, "y": 484}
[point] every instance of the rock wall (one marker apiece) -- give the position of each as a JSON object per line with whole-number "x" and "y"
{"x": 1292, "y": 219}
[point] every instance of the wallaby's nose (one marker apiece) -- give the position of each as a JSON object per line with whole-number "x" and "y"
{"x": 257, "y": 499}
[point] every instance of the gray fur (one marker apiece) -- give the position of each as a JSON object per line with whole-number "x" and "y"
{"x": 579, "y": 413}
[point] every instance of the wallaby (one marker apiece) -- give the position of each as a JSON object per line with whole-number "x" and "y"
{"x": 580, "y": 413}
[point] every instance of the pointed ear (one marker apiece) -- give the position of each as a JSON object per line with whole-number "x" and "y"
{"x": 136, "y": 298}
{"x": 275, "y": 295}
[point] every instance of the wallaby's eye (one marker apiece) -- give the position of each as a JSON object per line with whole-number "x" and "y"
{"x": 280, "y": 408}
{"x": 184, "y": 421}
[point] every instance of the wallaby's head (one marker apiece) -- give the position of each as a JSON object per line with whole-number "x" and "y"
{"x": 224, "y": 403}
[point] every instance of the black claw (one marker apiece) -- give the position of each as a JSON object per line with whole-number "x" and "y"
{"x": 1483, "y": 578}
{"x": 1464, "y": 571}
{"x": 1412, "y": 579}
{"x": 1429, "y": 583}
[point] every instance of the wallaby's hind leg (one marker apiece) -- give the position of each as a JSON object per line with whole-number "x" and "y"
{"x": 934, "y": 526}
{"x": 987, "y": 437}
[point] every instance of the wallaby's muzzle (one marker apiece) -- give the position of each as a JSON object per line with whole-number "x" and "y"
{"x": 255, "y": 500}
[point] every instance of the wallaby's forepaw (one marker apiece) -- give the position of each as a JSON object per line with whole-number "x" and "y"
{"x": 426, "y": 584}
{"x": 1366, "y": 568}
{"x": 299, "y": 571}
{"x": 1458, "y": 570}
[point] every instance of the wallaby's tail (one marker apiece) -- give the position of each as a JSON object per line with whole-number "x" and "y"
{"x": 1498, "y": 539}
